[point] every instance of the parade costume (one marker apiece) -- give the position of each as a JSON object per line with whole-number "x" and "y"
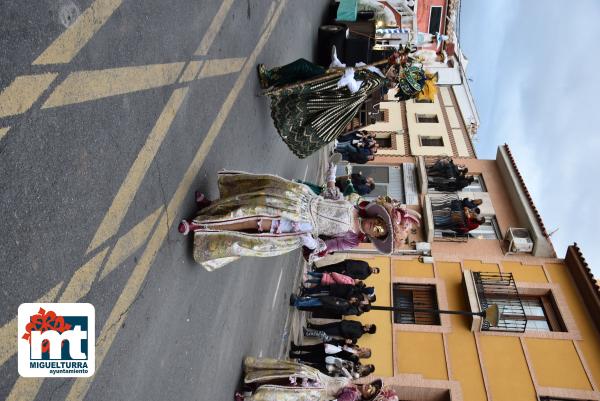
{"x": 303, "y": 383}
{"x": 330, "y": 224}
{"x": 291, "y": 73}
{"x": 311, "y": 106}
{"x": 314, "y": 385}
{"x": 317, "y": 105}
{"x": 415, "y": 82}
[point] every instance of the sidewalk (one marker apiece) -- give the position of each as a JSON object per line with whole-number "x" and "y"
{"x": 296, "y": 320}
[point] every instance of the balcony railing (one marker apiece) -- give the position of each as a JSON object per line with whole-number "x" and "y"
{"x": 442, "y": 209}
{"x": 501, "y": 289}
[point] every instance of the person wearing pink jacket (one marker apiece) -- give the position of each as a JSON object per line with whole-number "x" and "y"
{"x": 330, "y": 278}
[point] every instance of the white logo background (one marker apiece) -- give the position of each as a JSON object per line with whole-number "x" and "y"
{"x": 56, "y": 367}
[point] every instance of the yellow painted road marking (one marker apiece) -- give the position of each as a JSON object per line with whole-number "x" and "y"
{"x": 214, "y": 28}
{"x": 213, "y": 68}
{"x": 113, "y": 218}
{"x": 130, "y": 242}
{"x": 8, "y": 332}
{"x": 25, "y": 388}
{"x": 191, "y": 71}
{"x": 3, "y": 132}
{"x": 79, "y": 286}
{"x": 71, "y": 41}
{"x": 82, "y": 86}
{"x": 18, "y": 97}
{"x": 120, "y": 310}
{"x": 111, "y": 327}
{"x": 82, "y": 280}
{"x": 215, "y": 128}
{"x": 268, "y": 16}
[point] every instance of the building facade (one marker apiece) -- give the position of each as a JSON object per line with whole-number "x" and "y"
{"x": 546, "y": 344}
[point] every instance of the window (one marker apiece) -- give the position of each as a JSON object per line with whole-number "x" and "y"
{"x": 388, "y": 180}
{"x": 487, "y": 230}
{"x": 381, "y": 176}
{"x": 427, "y": 118}
{"x": 384, "y": 142}
{"x": 431, "y": 140}
{"x": 415, "y": 296}
{"x": 540, "y": 312}
{"x": 477, "y": 185}
{"x": 435, "y": 19}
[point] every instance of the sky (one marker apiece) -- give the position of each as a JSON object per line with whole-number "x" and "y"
{"x": 533, "y": 73}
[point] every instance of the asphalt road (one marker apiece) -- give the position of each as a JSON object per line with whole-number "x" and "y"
{"x": 112, "y": 113}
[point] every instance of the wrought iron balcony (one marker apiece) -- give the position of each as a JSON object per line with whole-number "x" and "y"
{"x": 500, "y": 289}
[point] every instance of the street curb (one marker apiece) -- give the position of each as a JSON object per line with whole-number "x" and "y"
{"x": 295, "y": 320}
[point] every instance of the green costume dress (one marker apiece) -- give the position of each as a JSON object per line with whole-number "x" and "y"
{"x": 411, "y": 82}
{"x": 293, "y": 72}
{"x": 309, "y": 115}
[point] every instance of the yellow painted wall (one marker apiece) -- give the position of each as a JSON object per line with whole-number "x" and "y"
{"x": 590, "y": 346}
{"x": 464, "y": 361}
{"x": 380, "y": 342}
{"x": 556, "y": 364}
{"x": 477, "y": 266}
{"x": 525, "y": 273}
{"x": 412, "y": 268}
{"x": 506, "y": 368}
{"x": 421, "y": 353}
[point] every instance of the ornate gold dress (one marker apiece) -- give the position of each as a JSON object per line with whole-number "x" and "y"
{"x": 263, "y": 370}
{"x": 246, "y": 197}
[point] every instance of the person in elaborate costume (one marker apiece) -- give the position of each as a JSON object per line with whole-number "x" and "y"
{"x": 279, "y": 380}
{"x": 312, "y": 106}
{"x": 265, "y": 215}
{"x": 415, "y": 82}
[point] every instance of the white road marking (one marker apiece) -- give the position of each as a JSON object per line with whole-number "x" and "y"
{"x": 277, "y": 289}
{"x": 305, "y": 173}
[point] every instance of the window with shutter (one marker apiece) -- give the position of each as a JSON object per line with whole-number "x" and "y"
{"x": 409, "y": 297}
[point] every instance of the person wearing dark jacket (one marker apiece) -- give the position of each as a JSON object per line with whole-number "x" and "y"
{"x": 450, "y": 185}
{"x": 316, "y": 353}
{"x": 329, "y": 304}
{"x": 347, "y": 329}
{"x": 357, "y": 269}
{"x": 345, "y": 291}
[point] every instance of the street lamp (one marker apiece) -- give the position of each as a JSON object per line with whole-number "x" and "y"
{"x": 491, "y": 314}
